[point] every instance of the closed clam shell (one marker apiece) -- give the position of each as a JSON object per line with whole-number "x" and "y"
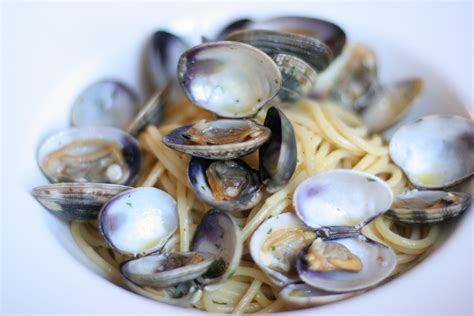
{"x": 76, "y": 201}
{"x": 422, "y": 207}
{"x": 435, "y": 151}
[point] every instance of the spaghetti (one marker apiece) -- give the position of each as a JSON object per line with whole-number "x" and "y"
{"x": 327, "y": 137}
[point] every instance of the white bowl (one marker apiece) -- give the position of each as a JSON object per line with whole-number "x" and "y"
{"x": 52, "y": 50}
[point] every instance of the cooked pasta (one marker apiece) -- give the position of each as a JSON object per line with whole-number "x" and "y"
{"x": 327, "y": 137}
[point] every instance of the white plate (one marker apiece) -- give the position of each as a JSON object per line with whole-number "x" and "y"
{"x": 53, "y": 50}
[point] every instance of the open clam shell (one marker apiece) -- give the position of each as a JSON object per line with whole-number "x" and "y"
{"x": 76, "y": 201}
{"x": 339, "y": 199}
{"x": 231, "y": 79}
{"x": 219, "y": 235}
{"x": 278, "y": 155}
{"x": 301, "y": 295}
{"x": 105, "y": 103}
{"x": 435, "y": 151}
{"x": 386, "y": 105}
{"x": 164, "y": 270}
{"x": 423, "y": 207}
{"x": 184, "y": 294}
{"x": 164, "y": 52}
{"x": 245, "y": 136}
{"x": 329, "y": 33}
{"x": 275, "y": 246}
{"x": 378, "y": 262}
{"x": 236, "y": 185}
{"x": 90, "y": 154}
{"x": 138, "y": 221}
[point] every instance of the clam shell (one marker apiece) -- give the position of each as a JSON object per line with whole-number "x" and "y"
{"x": 138, "y": 221}
{"x": 90, "y": 141}
{"x": 175, "y": 140}
{"x": 422, "y": 207}
{"x": 219, "y": 235}
{"x": 233, "y": 80}
{"x": 105, "y": 103}
{"x": 164, "y": 270}
{"x": 302, "y": 295}
{"x": 278, "y": 155}
{"x": 378, "y": 262}
{"x": 264, "y": 231}
{"x": 341, "y": 199}
{"x": 76, "y": 201}
{"x": 329, "y": 33}
{"x": 436, "y": 151}
{"x": 250, "y": 196}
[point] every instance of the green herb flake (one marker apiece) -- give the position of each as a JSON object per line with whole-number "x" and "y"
{"x": 216, "y": 269}
{"x": 273, "y": 248}
{"x": 129, "y": 204}
{"x": 194, "y": 180}
{"x": 203, "y": 188}
{"x": 269, "y": 231}
{"x": 370, "y": 180}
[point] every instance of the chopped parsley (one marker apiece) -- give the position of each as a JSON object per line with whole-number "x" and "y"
{"x": 370, "y": 180}
{"x": 216, "y": 269}
{"x": 129, "y": 204}
{"x": 273, "y": 248}
{"x": 269, "y": 231}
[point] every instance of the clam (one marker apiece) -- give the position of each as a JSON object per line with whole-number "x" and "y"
{"x": 90, "y": 154}
{"x": 138, "y": 221}
{"x": 218, "y": 235}
{"x": 337, "y": 204}
{"x": 105, "y": 103}
{"x": 301, "y": 295}
{"x": 435, "y": 151}
{"x": 278, "y": 155}
{"x": 164, "y": 52}
{"x": 275, "y": 246}
{"x": 76, "y": 201}
{"x": 386, "y": 105}
{"x": 345, "y": 264}
{"x": 152, "y": 111}
{"x": 164, "y": 270}
{"x": 231, "y": 27}
{"x": 341, "y": 201}
{"x": 327, "y": 32}
{"x": 428, "y": 206}
{"x": 219, "y": 139}
{"x": 299, "y": 58}
{"x": 183, "y": 294}
{"x": 350, "y": 77}
{"x": 229, "y": 185}
{"x": 231, "y": 79}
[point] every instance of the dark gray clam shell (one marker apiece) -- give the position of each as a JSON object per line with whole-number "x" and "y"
{"x": 107, "y": 102}
{"x": 299, "y": 58}
{"x": 164, "y": 270}
{"x": 152, "y": 111}
{"x": 94, "y": 170}
{"x": 311, "y": 50}
{"x": 76, "y": 201}
{"x": 231, "y": 27}
{"x": 218, "y": 234}
{"x": 163, "y": 56}
{"x": 329, "y": 33}
{"x": 176, "y": 141}
{"x": 278, "y": 155}
{"x": 378, "y": 262}
{"x": 250, "y": 196}
{"x": 417, "y": 207}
